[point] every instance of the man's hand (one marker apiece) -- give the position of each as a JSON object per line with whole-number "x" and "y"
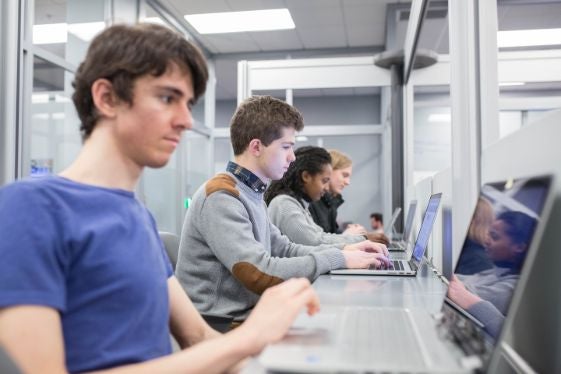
{"x": 276, "y": 310}
{"x": 367, "y": 246}
{"x": 458, "y": 293}
{"x": 378, "y": 237}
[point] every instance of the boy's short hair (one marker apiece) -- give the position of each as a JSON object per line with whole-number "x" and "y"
{"x": 124, "y": 53}
{"x": 262, "y": 117}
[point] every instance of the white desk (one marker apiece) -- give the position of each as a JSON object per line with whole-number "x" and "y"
{"x": 425, "y": 291}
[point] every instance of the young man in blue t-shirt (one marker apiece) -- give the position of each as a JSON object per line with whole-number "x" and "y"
{"x": 84, "y": 280}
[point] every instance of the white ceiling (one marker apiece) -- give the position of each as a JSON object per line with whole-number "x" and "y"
{"x": 319, "y": 24}
{"x": 324, "y": 28}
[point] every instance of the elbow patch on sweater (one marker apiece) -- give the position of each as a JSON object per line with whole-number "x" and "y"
{"x": 253, "y": 278}
{"x": 222, "y": 182}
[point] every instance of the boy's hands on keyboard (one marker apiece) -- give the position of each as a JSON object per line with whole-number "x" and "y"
{"x": 368, "y": 246}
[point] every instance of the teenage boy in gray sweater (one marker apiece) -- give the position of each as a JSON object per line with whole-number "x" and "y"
{"x": 230, "y": 252}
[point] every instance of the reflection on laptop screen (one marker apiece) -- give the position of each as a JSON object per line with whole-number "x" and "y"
{"x": 426, "y": 227}
{"x": 493, "y": 254}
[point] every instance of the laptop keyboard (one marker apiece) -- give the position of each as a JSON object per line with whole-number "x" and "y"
{"x": 375, "y": 327}
{"x": 397, "y": 265}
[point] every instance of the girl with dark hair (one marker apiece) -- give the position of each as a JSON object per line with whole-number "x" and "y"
{"x": 288, "y": 199}
{"x": 486, "y": 294}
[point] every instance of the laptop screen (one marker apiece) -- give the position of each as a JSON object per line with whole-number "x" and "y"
{"x": 409, "y": 221}
{"x": 395, "y": 214}
{"x": 426, "y": 227}
{"x": 494, "y": 251}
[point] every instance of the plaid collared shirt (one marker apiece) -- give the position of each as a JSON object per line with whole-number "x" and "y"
{"x": 246, "y": 177}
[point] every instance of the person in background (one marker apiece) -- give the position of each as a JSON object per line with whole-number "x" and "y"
{"x": 85, "y": 284}
{"x": 377, "y": 222}
{"x": 324, "y": 211}
{"x": 487, "y": 294}
{"x": 288, "y": 199}
{"x": 230, "y": 252}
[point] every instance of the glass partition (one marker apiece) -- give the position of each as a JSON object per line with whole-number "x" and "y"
{"x": 65, "y": 28}
{"x": 432, "y": 131}
{"x": 527, "y": 29}
{"x": 54, "y": 139}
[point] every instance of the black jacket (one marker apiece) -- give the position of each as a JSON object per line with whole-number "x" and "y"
{"x": 324, "y": 212}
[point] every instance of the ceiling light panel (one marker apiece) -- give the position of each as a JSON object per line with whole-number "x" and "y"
{"x": 254, "y": 20}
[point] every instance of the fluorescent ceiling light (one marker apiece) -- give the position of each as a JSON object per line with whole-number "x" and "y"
{"x": 58, "y": 115}
{"x": 505, "y": 84}
{"x": 62, "y": 99}
{"x": 254, "y": 20}
{"x": 39, "y": 98}
{"x": 50, "y": 33}
{"x": 440, "y": 117}
{"x": 86, "y": 31}
{"x": 155, "y": 20}
{"x": 53, "y": 33}
{"x": 301, "y": 138}
{"x": 528, "y": 38}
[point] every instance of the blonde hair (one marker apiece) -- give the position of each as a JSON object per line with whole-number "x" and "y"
{"x": 339, "y": 160}
{"x": 482, "y": 220}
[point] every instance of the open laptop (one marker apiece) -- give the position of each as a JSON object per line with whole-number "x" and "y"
{"x": 456, "y": 340}
{"x": 393, "y": 220}
{"x": 407, "y": 266}
{"x": 402, "y": 243}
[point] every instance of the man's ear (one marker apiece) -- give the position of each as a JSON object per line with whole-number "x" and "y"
{"x": 255, "y": 147}
{"x": 104, "y": 98}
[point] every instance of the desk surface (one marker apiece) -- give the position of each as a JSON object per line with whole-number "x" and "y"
{"x": 425, "y": 291}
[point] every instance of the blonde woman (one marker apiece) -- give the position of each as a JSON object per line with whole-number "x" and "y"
{"x": 324, "y": 211}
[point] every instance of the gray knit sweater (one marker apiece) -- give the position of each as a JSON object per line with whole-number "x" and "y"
{"x": 495, "y": 287}
{"x": 296, "y": 222}
{"x": 230, "y": 252}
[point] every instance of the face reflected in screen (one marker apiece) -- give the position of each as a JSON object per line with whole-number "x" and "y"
{"x": 494, "y": 251}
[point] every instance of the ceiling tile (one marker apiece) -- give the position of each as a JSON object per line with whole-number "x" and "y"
{"x": 242, "y": 5}
{"x": 321, "y": 37}
{"x": 232, "y": 43}
{"x": 324, "y": 16}
{"x": 278, "y": 40}
{"x": 317, "y": 4}
{"x": 197, "y": 6}
{"x": 365, "y": 25}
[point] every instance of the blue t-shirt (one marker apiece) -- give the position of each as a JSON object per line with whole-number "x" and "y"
{"x": 93, "y": 254}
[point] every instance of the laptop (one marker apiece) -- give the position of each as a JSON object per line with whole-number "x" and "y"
{"x": 401, "y": 245}
{"x": 393, "y": 220}
{"x": 458, "y": 339}
{"x": 408, "y": 266}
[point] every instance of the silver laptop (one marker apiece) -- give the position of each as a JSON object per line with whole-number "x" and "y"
{"x": 403, "y": 242}
{"x": 393, "y": 220}
{"x": 408, "y": 266}
{"x": 455, "y": 340}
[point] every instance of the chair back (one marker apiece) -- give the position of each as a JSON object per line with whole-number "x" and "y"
{"x": 171, "y": 243}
